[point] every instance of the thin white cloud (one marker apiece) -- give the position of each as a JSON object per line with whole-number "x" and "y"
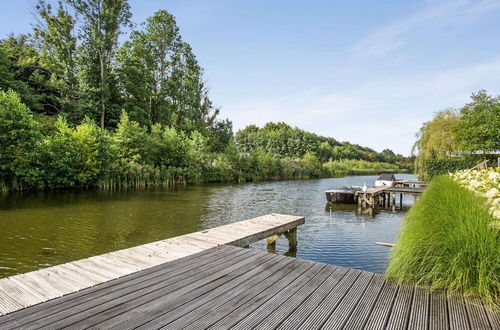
{"x": 394, "y": 35}
{"x": 379, "y": 113}
{"x": 483, "y": 7}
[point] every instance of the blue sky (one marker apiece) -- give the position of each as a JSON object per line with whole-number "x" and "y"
{"x": 368, "y": 72}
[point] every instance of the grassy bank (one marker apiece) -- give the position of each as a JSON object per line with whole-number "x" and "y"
{"x": 448, "y": 242}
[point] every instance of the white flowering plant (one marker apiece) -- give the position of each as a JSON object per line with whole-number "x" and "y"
{"x": 485, "y": 183}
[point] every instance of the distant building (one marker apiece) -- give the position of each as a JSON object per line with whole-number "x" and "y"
{"x": 385, "y": 180}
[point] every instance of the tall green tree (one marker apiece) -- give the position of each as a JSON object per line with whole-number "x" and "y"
{"x": 161, "y": 80}
{"x": 192, "y": 108}
{"x": 102, "y": 21}
{"x": 479, "y": 126}
{"x": 145, "y": 69}
{"x": 56, "y": 41}
{"x": 26, "y": 75}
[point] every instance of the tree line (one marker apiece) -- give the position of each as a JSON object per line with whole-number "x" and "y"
{"x": 457, "y": 139}
{"x": 90, "y": 99}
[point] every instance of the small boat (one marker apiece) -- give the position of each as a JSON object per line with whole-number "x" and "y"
{"x": 344, "y": 195}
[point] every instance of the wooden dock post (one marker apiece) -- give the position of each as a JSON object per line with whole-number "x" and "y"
{"x": 291, "y": 236}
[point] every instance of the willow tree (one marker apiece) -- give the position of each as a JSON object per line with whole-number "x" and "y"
{"x": 436, "y": 140}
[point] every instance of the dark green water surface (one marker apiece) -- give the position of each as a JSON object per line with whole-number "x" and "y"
{"x": 42, "y": 229}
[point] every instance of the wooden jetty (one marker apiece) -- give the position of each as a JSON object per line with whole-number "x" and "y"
{"x": 23, "y": 290}
{"x": 378, "y": 195}
{"x": 385, "y": 196}
{"x": 236, "y": 288}
{"x": 226, "y": 287}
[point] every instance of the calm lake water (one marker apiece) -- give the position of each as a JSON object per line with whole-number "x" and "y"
{"x": 48, "y": 228}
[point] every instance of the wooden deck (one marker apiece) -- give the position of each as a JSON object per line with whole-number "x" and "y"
{"x": 238, "y": 288}
{"x": 23, "y": 290}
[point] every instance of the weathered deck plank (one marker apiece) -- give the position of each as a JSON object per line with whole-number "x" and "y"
{"x": 301, "y": 274}
{"x": 438, "y": 311}
{"x": 457, "y": 311}
{"x": 101, "y": 309}
{"x": 162, "y": 272}
{"x": 290, "y": 297}
{"x": 477, "y": 314}
{"x": 364, "y": 307}
{"x": 401, "y": 308}
{"x": 320, "y": 314}
{"x": 190, "y": 312}
{"x": 281, "y": 313}
{"x": 235, "y": 297}
{"x": 419, "y": 315}
{"x": 383, "y": 306}
{"x": 311, "y": 303}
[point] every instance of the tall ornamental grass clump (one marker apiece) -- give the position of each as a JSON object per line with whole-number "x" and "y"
{"x": 448, "y": 242}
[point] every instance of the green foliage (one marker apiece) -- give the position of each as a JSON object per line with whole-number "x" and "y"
{"x": 19, "y": 136}
{"x": 25, "y": 74}
{"x": 281, "y": 140}
{"x": 359, "y": 167}
{"x": 456, "y": 139}
{"x": 102, "y": 21}
{"x": 479, "y": 125}
{"x": 436, "y": 139}
{"x": 129, "y": 140}
{"x": 47, "y": 154}
{"x": 429, "y": 168}
{"x": 312, "y": 164}
{"x": 448, "y": 242}
{"x": 57, "y": 46}
{"x": 70, "y": 157}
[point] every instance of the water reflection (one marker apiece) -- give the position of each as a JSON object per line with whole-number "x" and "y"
{"x": 48, "y": 228}
{"x": 364, "y": 211}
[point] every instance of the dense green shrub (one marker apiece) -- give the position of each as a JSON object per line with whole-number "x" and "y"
{"x": 448, "y": 241}
{"x": 429, "y": 168}
{"x": 359, "y": 167}
{"x": 19, "y": 138}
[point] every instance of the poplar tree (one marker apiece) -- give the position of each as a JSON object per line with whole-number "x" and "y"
{"x": 102, "y": 22}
